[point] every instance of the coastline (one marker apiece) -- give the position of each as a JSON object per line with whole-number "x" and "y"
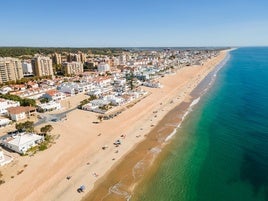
{"x": 78, "y": 151}
{"x": 118, "y": 183}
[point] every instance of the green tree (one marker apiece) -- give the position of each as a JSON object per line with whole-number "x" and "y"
{"x": 23, "y": 102}
{"x": 44, "y": 100}
{"x": 27, "y": 126}
{"x": 46, "y": 129}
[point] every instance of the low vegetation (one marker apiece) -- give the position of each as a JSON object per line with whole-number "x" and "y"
{"x": 22, "y": 101}
{"x": 48, "y": 141}
{"x": 1, "y": 180}
{"x": 86, "y": 101}
{"x": 46, "y": 129}
{"x": 27, "y": 126}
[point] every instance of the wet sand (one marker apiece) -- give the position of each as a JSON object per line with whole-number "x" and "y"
{"x": 120, "y": 182}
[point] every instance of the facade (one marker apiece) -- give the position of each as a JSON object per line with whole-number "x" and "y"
{"x": 73, "y": 88}
{"x": 22, "y": 142}
{"x": 5, "y": 90}
{"x": 20, "y": 113}
{"x": 27, "y": 68}
{"x": 82, "y": 57}
{"x": 4, "y": 122}
{"x": 56, "y": 58}
{"x": 103, "y": 67}
{"x": 10, "y": 69}
{"x": 54, "y": 95}
{"x": 42, "y": 66}
{"x": 72, "y": 68}
{"x": 5, "y": 104}
{"x": 73, "y": 57}
{"x": 50, "y": 106}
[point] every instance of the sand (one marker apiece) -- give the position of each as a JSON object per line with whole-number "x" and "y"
{"x": 78, "y": 151}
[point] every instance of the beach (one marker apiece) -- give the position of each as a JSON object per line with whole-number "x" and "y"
{"x": 78, "y": 150}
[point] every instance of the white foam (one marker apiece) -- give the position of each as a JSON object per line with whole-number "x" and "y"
{"x": 188, "y": 111}
{"x": 156, "y": 150}
{"x": 116, "y": 190}
{"x": 195, "y": 101}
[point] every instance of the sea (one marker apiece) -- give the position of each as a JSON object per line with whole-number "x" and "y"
{"x": 220, "y": 151}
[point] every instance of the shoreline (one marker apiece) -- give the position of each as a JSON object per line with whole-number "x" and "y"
{"x": 123, "y": 189}
{"x": 78, "y": 151}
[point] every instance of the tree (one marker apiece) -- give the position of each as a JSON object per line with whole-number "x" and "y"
{"x": 23, "y": 101}
{"x": 27, "y": 126}
{"x": 28, "y": 102}
{"x": 44, "y": 100}
{"x": 46, "y": 129}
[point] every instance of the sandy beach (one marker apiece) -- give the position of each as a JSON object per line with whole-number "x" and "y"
{"x": 78, "y": 150}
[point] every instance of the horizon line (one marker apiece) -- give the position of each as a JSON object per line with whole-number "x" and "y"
{"x": 106, "y": 47}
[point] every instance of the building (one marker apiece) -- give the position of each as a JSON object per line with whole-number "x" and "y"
{"x": 103, "y": 67}
{"x": 27, "y": 68}
{"x": 4, "y": 159}
{"x": 20, "y": 113}
{"x": 42, "y": 66}
{"x": 56, "y": 58}
{"x": 122, "y": 59}
{"x": 21, "y": 142}
{"x": 4, "y": 122}
{"x": 54, "y": 95}
{"x": 10, "y": 69}
{"x": 73, "y": 57}
{"x": 72, "y": 68}
{"x": 5, "y": 90}
{"x": 5, "y": 104}
{"x": 82, "y": 57}
{"x": 50, "y": 106}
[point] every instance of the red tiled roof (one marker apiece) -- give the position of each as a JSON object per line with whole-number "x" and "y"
{"x": 20, "y": 109}
{"x": 52, "y": 92}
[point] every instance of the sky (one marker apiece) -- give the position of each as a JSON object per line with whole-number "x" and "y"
{"x": 133, "y": 23}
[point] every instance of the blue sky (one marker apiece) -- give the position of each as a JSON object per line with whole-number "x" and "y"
{"x": 122, "y": 23}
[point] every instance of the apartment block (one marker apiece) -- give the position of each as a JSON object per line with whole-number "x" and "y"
{"x": 42, "y": 66}
{"x": 10, "y": 69}
{"x": 72, "y": 68}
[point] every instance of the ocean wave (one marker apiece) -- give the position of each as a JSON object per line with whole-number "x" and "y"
{"x": 116, "y": 190}
{"x": 188, "y": 111}
{"x": 195, "y": 101}
{"x": 137, "y": 169}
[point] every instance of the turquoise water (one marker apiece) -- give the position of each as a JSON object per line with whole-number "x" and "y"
{"x": 221, "y": 151}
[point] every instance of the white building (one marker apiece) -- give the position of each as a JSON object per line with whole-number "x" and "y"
{"x": 114, "y": 100}
{"x": 19, "y": 113}
{"x": 5, "y": 104}
{"x": 5, "y": 90}
{"x": 4, "y": 122}
{"x": 50, "y": 106}
{"x": 4, "y": 159}
{"x": 73, "y": 88}
{"x": 22, "y": 142}
{"x": 103, "y": 67}
{"x": 27, "y": 68}
{"x": 54, "y": 95}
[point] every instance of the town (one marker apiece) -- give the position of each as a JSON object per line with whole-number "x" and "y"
{"x": 37, "y": 89}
